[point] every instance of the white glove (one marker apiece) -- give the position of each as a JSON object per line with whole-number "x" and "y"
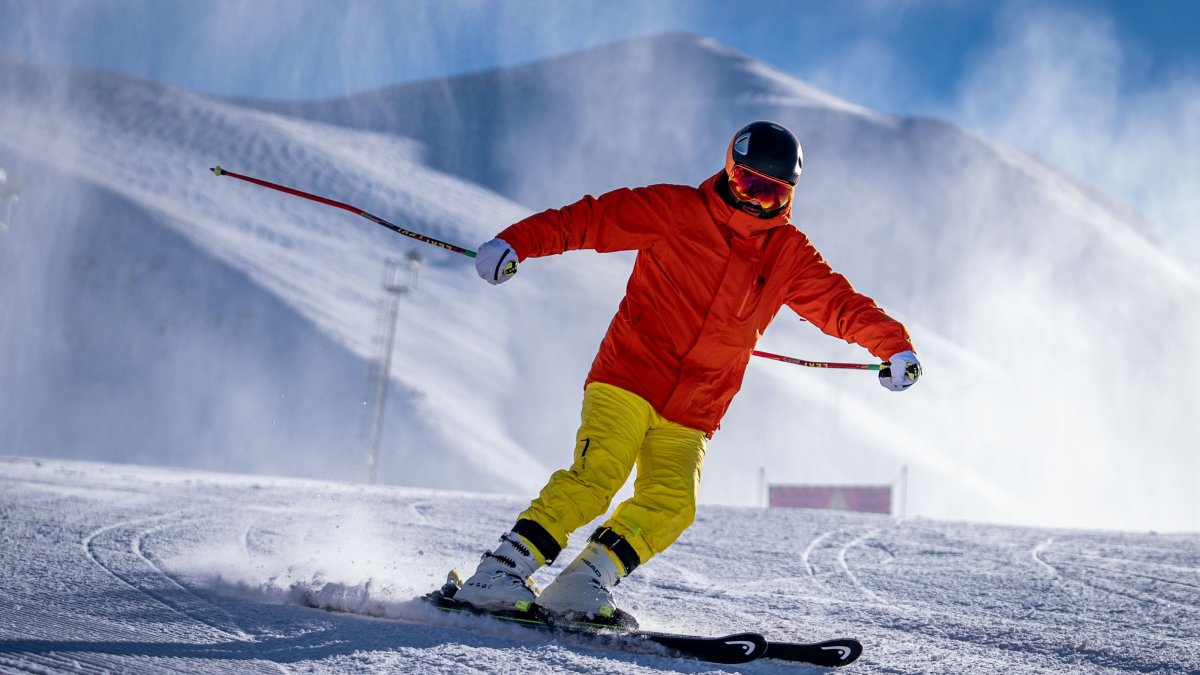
{"x": 901, "y": 371}
{"x": 496, "y": 261}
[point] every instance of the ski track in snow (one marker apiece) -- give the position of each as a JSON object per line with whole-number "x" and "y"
{"x": 841, "y": 559}
{"x": 136, "y": 569}
{"x": 1130, "y": 577}
{"x": 825, "y": 560}
{"x": 118, "y": 550}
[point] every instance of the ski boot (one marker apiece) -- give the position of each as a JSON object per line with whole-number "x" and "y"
{"x": 502, "y": 579}
{"x": 581, "y": 592}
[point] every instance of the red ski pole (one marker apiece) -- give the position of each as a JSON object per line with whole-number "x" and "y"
{"x": 217, "y": 170}
{"x": 821, "y": 364}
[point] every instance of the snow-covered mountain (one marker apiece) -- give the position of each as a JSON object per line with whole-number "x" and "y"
{"x": 135, "y": 569}
{"x": 158, "y": 315}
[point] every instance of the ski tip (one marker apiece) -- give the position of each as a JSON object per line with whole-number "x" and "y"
{"x": 842, "y": 652}
{"x": 830, "y": 653}
{"x": 217, "y": 170}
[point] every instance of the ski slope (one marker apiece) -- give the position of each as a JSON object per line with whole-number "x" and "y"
{"x": 124, "y": 568}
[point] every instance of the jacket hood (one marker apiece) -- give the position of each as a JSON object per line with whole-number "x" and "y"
{"x": 741, "y": 223}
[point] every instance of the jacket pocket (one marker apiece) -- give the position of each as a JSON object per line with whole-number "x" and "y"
{"x": 752, "y": 295}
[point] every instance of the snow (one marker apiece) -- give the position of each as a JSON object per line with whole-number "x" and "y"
{"x": 157, "y": 316}
{"x": 128, "y": 568}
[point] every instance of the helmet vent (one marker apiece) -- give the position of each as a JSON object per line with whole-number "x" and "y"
{"x": 742, "y": 145}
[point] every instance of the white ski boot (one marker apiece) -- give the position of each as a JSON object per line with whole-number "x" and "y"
{"x": 502, "y": 579}
{"x": 581, "y": 591}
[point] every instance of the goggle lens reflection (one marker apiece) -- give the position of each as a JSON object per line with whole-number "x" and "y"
{"x": 750, "y": 186}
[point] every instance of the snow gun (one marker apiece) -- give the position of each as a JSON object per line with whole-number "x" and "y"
{"x": 218, "y": 171}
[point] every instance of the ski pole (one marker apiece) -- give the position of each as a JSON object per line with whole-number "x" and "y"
{"x": 821, "y": 364}
{"x": 217, "y": 170}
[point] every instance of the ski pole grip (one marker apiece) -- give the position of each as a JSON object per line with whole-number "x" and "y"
{"x": 885, "y": 370}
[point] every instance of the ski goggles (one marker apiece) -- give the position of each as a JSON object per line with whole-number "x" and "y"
{"x": 750, "y": 186}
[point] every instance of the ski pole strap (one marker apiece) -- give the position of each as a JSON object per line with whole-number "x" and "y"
{"x": 218, "y": 171}
{"x": 620, "y": 547}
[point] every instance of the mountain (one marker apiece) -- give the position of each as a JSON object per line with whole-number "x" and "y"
{"x": 133, "y": 569}
{"x": 163, "y": 316}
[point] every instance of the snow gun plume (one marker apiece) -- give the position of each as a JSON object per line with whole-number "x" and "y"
{"x": 218, "y": 171}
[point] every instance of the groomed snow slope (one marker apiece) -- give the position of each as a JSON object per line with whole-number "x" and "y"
{"x": 126, "y": 568}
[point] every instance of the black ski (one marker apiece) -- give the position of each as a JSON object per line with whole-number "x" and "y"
{"x": 621, "y": 632}
{"x": 726, "y": 649}
{"x": 830, "y": 653}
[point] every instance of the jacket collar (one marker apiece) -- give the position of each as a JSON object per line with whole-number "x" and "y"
{"x": 739, "y": 222}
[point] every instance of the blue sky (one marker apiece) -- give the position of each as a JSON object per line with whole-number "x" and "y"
{"x": 304, "y": 49}
{"x": 1076, "y": 82}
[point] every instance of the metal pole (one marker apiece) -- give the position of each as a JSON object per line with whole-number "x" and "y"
{"x": 8, "y": 192}
{"x": 391, "y": 284}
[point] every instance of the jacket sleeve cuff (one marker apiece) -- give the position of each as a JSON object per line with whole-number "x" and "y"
{"x": 514, "y": 240}
{"x": 890, "y": 347}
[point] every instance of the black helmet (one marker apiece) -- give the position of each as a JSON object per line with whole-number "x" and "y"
{"x": 769, "y": 149}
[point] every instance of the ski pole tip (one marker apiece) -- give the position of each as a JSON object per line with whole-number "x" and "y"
{"x": 217, "y": 170}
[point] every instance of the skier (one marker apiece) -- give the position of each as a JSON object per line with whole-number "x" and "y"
{"x": 714, "y": 264}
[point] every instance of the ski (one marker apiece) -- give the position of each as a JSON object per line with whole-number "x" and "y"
{"x": 829, "y": 653}
{"x": 726, "y": 649}
{"x": 621, "y": 632}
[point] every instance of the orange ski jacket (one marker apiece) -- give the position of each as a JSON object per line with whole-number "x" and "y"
{"x": 707, "y": 280}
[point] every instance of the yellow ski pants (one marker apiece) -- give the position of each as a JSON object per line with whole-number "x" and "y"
{"x": 620, "y": 429}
